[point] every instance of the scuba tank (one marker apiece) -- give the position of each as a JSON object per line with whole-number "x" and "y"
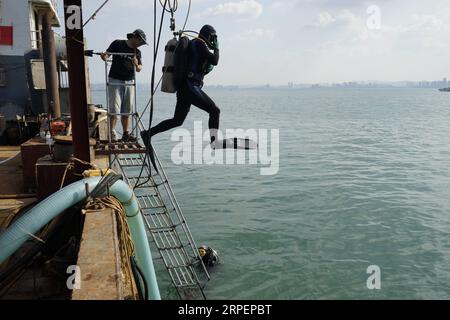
{"x": 168, "y": 78}
{"x": 176, "y": 64}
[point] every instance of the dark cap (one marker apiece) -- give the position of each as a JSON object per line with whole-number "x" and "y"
{"x": 138, "y": 33}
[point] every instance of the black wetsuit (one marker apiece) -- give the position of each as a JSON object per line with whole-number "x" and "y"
{"x": 200, "y": 58}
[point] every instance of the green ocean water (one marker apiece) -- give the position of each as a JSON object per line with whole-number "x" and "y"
{"x": 364, "y": 179}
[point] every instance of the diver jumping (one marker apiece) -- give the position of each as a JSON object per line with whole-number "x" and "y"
{"x": 200, "y": 63}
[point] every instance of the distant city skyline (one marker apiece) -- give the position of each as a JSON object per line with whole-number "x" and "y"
{"x": 407, "y": 83}
{"x": 444, "y": 83}
{"x": 436, "y": 84}
{"x": 299, "y": 41}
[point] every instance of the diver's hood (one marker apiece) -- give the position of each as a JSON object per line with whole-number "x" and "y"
{"x": 206, "y": 31}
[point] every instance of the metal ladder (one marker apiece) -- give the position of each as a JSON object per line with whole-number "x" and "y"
{"x": 166, "y": 224}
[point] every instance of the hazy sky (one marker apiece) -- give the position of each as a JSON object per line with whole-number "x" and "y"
{"x": 301, "y": 41}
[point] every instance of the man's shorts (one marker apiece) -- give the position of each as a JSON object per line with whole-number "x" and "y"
{"x": 121, "y": 97}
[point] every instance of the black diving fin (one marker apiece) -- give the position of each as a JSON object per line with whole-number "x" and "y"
{"x": 236, "y": 143}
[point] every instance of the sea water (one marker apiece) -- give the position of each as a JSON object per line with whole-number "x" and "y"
{"x": 364, "y": 180}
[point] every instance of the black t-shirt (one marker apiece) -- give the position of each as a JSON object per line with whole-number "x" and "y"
{"x": 122, "y": 66}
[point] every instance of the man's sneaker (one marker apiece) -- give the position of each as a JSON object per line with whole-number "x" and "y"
{"x": 114, "y": 136}
{"x": 126, "y": 137}
{"x": 144, "y": 136}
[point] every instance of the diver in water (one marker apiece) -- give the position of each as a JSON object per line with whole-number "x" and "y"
{"x": 201, "y": 62}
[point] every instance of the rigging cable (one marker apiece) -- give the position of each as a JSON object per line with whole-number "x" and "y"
{"x": 187, "y": 15}
{"x": 159, "y": 82}
{"x": 171, "y": 11}
{"x": 94, "y": 15}
{"x": 171, "y": 8}
{"x": 156, "y": 43}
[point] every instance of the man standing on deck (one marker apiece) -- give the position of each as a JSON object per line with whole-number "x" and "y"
{"x": 126, "y": 57}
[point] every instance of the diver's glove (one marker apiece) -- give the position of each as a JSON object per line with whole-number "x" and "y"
{"x": 209, "y": 68}
{"x": 215, "y": 43}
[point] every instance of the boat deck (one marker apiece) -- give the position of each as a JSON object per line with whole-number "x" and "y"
{"x": 13, "y": 198}
{"x": 11, "y": 171}
{"x": 99, "y": 255}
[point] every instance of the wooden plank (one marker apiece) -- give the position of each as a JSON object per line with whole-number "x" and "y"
{"x": 9, "y": 148}
{"x": 119, "y": 148}
{"x": 50, "y": 175}
{"x": 32, "y": 150}
{"x": 108, "y": 152}
{"x": 99, "y": 258}
{"x": 12, "y": 177}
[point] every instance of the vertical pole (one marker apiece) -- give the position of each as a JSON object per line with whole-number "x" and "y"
{"x": 134, "y": 117}
{"x": 51, "y": 73}
{"x": 77, "y": 80}
{"x": 108, "y": 118}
